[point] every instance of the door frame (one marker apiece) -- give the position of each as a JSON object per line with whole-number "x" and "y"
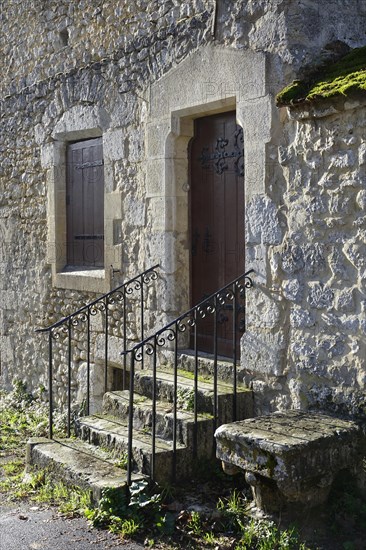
{"x": 185, "y": 93}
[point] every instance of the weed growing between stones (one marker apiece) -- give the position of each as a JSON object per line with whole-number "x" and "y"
{"x": 127, "y": 516}
{"x": 24, "y": 415}
{"x": 232, "y": 527}
{"x": 185, "y": 399}
{"x": 118, "y": 457}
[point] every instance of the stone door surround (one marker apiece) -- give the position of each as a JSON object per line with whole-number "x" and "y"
{"x": 211, "y": 80}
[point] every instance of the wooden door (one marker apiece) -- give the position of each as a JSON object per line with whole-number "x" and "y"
{"x": 217, "y": 218}
{"x": 85, "y": 203}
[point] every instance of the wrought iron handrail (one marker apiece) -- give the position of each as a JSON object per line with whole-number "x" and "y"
{"x": 232, "y": 292}
{"x": 103, "y": 297}
{"x": 83, "y": 315}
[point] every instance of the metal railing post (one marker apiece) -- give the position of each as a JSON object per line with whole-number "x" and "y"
{"x": 50, "y": 385}
{"x": 130, "y": 420}
{"x": 69, "y": 359}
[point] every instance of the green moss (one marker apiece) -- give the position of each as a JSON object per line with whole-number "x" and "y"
{"x": 271, "y": 464}
{"x": 341, "y": 78}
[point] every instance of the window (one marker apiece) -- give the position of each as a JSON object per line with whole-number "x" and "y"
{"x": 85, "y": 203}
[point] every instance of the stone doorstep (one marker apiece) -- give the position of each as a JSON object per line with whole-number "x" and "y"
{"x": 112, "y": 433}
{"x": 290, "y": 456}
{"x": 117, "y": 404}
{"x": 165, "y": 392}
{"x": 79, "y": 464}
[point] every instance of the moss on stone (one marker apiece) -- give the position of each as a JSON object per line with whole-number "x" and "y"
{"x": 341, "y": 78}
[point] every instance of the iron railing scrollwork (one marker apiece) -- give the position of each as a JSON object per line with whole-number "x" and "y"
{"x": 231, "y": 297}
{"x": 64, "y": 332}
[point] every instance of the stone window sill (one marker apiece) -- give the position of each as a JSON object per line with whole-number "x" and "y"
{"x": 83, "y": 279}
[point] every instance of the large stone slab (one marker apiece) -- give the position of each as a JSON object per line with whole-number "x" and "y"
{"x": 111, "y": 433}
{"x": 78, "y": 463}
{"x": 292, "y": 456}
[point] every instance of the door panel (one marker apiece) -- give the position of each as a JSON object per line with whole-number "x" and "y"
{"x": 85, "y": 203}
{"x": 217, "y": 217}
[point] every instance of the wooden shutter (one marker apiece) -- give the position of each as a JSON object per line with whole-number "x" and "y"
{"x": 85, "y": 203}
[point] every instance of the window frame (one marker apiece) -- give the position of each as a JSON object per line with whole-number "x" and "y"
{"x": 53, "y": 160}
{"x": 75, "y": 178}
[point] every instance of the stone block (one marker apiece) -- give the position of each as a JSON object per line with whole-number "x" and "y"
{"x": 257, "y": 114}
{"x": 6, "y": 349}
{"x": 206, "y": 76}
{"x": 301, "y": 318}
{"x": 320, "y": 296}
{"x": 262, "y": 224}
{"x": 292, "y": 258}
{"x": 114, "y": 144}
{"x": 293, "y": 290}
{"x": 156, "y": 138}
{"x": 256, "y": 259}
{"x": 265, "y": 313}
{"x": 155, "y": 174}
{"x": 47, "y": 155}
{"x": 256, "y": 169}
{"x": 157, "y": 213}
{"x": 115, "y": 347}
{"x": 96, "y": 384}
{"x": 355, "y": 251}
{"x": 134, "y": 212}
{"x": 291, "y": 458}
{"x": 263, "y": 352}
{"x": 113, "y": 205}
{"x": 314, "y": 259}
{"x": 345, "y": 300}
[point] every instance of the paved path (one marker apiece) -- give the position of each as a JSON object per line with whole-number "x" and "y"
{"x": 28, "y": 528}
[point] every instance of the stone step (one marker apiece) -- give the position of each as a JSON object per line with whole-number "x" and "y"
{"x": 78, "y": 463}
{"x": 206, "y": 365}
{"x": 205, "y": 394}
{"x": 112, "y": 433}
{"x": 117, "y": 404}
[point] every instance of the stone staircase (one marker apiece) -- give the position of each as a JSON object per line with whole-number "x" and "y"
{"x": 96, "y": 458}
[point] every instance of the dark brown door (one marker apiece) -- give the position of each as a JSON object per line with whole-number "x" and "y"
{"x": 217, "y": 218}
{"x": 85, "y": 203}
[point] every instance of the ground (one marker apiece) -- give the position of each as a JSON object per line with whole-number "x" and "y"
{"x": 212, "y": 511}
{"x": 26, "y": 526}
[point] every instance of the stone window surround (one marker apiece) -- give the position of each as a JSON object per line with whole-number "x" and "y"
{"x": 211, "y": 80}
{"x": 77, "y": 124}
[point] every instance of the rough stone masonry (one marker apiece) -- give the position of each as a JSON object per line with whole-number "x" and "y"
{"x": 73, "y": 70}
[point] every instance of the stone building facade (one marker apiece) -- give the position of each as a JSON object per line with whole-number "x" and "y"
{"x": 137, "y": 75}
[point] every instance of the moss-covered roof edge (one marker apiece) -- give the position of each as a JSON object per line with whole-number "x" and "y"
{"x": 344, "y": 77}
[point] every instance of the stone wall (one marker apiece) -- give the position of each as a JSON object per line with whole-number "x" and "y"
{"x": 91, "y": 84}
{"x": 72, "y": 70}
{"x": 318, "y": 267}
{"x": 60, "y": 36}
